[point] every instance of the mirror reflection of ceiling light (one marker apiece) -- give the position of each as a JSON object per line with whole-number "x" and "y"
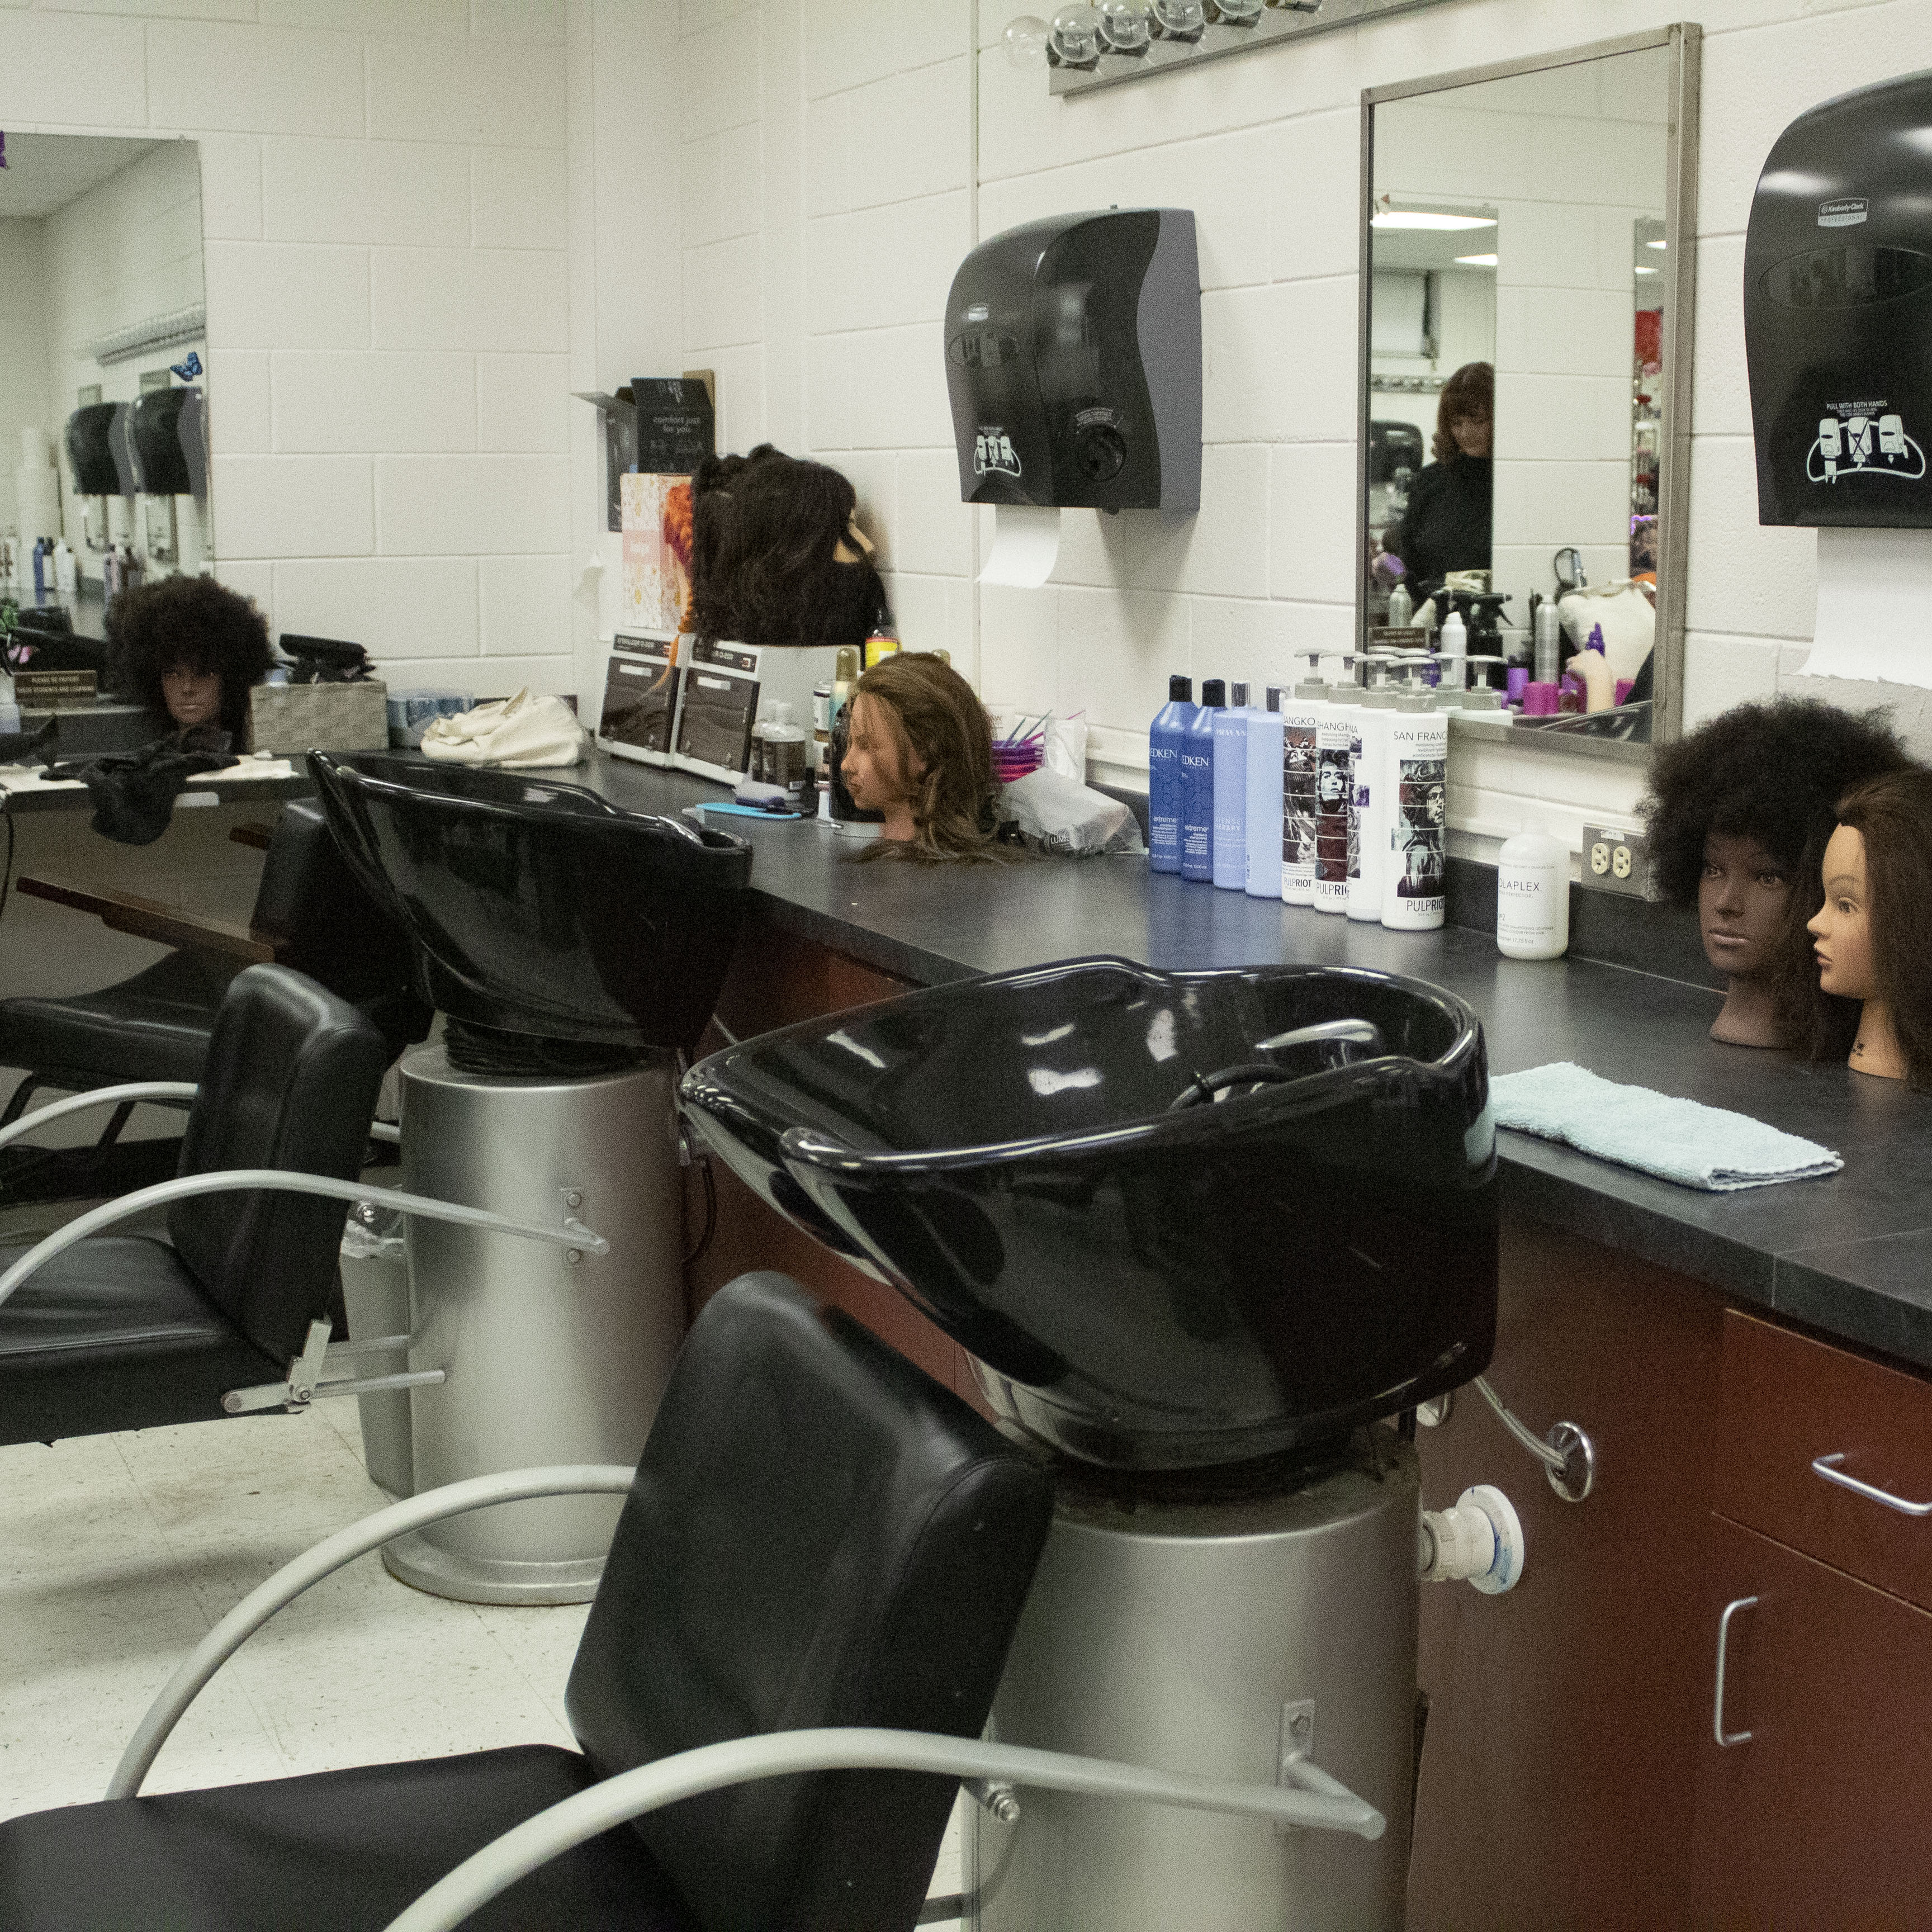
{"x": 1490, "y": 262}
{"x": 1416, "y": 217}
{"x": 1656, "y": 245}
{"x": 1643, "y": 270}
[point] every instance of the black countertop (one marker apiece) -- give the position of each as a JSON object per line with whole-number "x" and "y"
{"x": 1851, "y": 1255}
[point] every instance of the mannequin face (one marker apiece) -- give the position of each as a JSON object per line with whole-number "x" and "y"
{"x": 1742, "y": 902}
{"x": 1841, "y": 933}
{"x": 875, "y": 773}
{"x": 854, "y": 547}
{"x": 1472, "y": 434}
{"x": 192, "y": 697}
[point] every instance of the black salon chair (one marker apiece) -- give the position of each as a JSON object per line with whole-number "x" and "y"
{"x": 818, "y": 1534}
{"x": 310, "y": 914}
{"x": 127, "y": 1332}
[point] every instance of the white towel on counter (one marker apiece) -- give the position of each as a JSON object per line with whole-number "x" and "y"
{"x": 1682, "y": 1141}
{"x": 524, "y": 733}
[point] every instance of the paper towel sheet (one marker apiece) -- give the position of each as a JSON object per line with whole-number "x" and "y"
{"x": 1026, "y": 545}
{"x": 1874, "y": 607}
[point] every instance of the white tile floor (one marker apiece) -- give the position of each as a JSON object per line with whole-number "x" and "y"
{"x": 117, "y": 1553}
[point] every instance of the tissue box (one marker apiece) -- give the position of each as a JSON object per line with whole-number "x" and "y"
{"x": 291, "y": 718}
{"x": 412, "y": 712}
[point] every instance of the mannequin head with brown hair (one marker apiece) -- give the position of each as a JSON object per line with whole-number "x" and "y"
{"x": 1873, "y": 932}
{"x": 920, "y": 750}
{"x": 777, "y": 554}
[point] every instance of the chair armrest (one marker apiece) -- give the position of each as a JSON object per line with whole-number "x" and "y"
{"x": 631, "y": 1794}
{"x": 324, "y": 1559}
{"x": 98, "y": 1096}
{"x": 569, "y": 1233}
{"x": 256, "y": 837}
{"x": 147, "y": 919}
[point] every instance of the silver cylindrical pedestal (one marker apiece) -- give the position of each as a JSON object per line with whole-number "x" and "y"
{"x": 1190, "y": 1638}
{"x": 546, "y": 1360}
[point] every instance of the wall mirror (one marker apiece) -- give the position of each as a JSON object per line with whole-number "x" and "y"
{"x": 1528, "y": 250}
{"x": 103, "y": 376}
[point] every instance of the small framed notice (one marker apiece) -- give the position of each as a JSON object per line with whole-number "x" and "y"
{"x": 47, "y": 690}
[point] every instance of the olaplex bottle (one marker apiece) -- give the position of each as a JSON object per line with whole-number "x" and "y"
{"x": 1533, "y": 897}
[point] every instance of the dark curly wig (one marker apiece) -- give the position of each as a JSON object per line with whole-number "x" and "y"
{"x": 763, "y": 529}
{"x": 187, "y": 623}
{"x": 1774, "y": 772}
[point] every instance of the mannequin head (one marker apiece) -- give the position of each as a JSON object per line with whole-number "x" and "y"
{"x": 921, "y": 751}
{"x": 188, "y": 649}
{"x": 1872, "y": 933}
{"x": 777, "y": 555}
{"x": 1739, "y": 812}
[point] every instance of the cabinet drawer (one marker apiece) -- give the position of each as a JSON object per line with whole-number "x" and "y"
{"x": 1819, "y": 1819}
{"x": 1787, "y": 1400}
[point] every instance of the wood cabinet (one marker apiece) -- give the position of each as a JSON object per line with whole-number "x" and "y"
{"x": 1822, "y": 1817}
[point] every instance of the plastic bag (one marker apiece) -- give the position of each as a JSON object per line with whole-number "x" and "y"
{"x": 381, "y": 1242}
{"x": 523, "y": 732}
{"x": 1066, "y": 748}
{"x": 1058, "y": 815}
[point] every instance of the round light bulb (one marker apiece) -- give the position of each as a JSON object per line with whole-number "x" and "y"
{"x": 1026, "y": 39}
{"x": 1126, "y": 25}
{"x": 1076, "y": 35}
{"x": 1179, "y": 19}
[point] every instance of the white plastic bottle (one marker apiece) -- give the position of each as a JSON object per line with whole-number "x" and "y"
{"x": 1264, "y": 818}
{"x": 1302, "y": 716}
{"x": 1369, "y": 860}
{"x": 1418, "y": 785}
{"x": 1533, "y": 897}
{"x": 1452, "y": 653}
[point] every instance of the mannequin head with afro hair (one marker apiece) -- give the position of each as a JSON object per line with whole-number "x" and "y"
{"x": 188, "y": 648}
{"x": 1738, "y": 816}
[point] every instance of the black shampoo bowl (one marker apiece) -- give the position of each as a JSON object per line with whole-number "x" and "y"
{"x": 1150, "y": 1271}
{"x": 540, "y": 911}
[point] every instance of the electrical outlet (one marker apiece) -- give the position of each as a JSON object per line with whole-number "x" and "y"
{"x": 1615, "y": 861}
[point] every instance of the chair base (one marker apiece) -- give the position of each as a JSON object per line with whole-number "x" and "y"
{"x": 547, "y": 1359}
{"x": 415, "y": 1560}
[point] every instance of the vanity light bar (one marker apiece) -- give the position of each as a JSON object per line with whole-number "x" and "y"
{"x": 157, "y": 332}
{"x": 1417, "y": 217}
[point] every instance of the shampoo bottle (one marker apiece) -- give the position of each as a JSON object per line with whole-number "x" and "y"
{"x": 1197, "y": 785}
{"x": 1231, "y": 793}
{"x": 1370, "y": 858}
{"x": 1418, "y": 786}
{"x": 1263, "y": 812}
{"x": 1533, "y": 897}
{"x": 1165, "y": 738}
{"x": 1334, "y": 799}
{"x": 1301, "y": 718}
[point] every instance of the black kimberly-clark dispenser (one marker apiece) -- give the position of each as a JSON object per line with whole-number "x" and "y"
{"x": 1073, "y": 361}
{"x": 1838, "y": 312}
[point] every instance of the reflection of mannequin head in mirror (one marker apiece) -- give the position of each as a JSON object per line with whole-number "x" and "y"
{"x": 920, "y": 751}
{"x": 1739, "y": 813}
{"x": 1873, "y": 932}
{"x": 188, "y": 648}
{"x": 777, "y": 554}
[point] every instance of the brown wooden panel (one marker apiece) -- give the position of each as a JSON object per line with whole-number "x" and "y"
{"x": 775, "y": 980}
{"x": 1787, "y": 1399}
{"x": 1821, "y": 1819}
{"x": 1556, "y": 1776}
{"x": 148, "y": 919}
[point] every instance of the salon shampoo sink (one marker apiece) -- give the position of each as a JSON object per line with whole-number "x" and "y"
{"x": 542, "y": 912}
{"x": 1148, "y": 1273}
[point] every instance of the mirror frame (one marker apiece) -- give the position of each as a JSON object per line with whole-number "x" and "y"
{"x": 1684, "y": 40}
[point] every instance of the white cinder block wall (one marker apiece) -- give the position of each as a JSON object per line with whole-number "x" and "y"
{"x": 387, "y": 266}
{"x": 830, "y": 188}
{"x": 23, "y": 349}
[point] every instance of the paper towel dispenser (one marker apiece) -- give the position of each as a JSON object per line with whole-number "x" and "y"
{"x": 1838, "y": 312}
{"x": 91, "y": 451}
{"x": 1073, "y": 362}
{"x": 160, "y": 457}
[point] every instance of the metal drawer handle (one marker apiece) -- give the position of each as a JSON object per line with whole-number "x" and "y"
{"x": 1727, "y": 1738}
{"x": 1827, "y": 1466}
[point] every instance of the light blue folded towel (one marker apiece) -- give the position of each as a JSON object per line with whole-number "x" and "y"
{"x": 1682, "y": 1141}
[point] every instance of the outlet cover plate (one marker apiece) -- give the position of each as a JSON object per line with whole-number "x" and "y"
{"x": 1616, "y": 861}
